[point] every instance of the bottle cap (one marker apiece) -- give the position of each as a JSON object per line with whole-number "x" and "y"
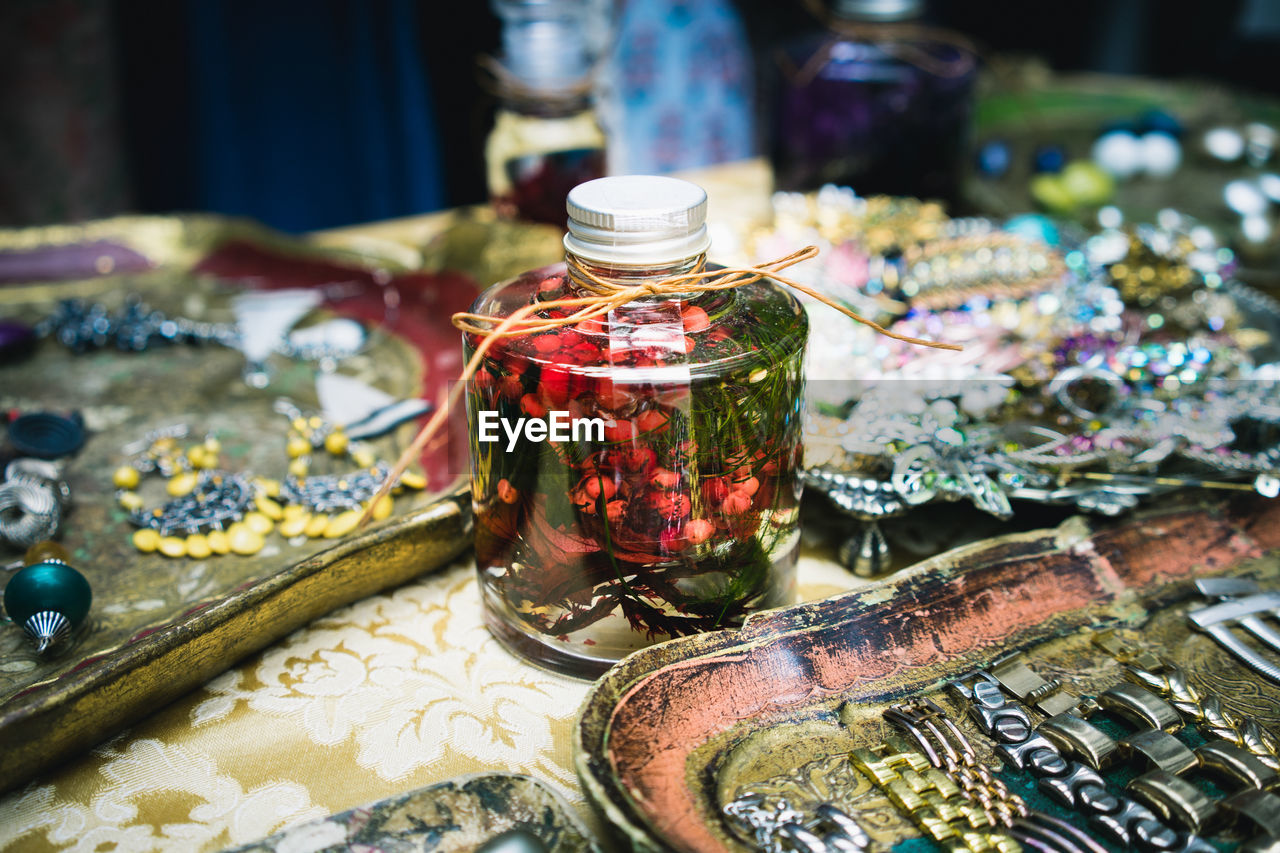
{"x": 544, "y": 43}
{"x": 637, "y": 220}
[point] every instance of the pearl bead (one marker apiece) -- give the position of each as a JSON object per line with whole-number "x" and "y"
{"x": 1270, "y": 186}
{"x": 1245, "y": 198}
{"x": 1160, "y": 154}
{"x": 1119, "y": 153}
{"x": 514, "y": 841}
{"x": 1223, "y": 143}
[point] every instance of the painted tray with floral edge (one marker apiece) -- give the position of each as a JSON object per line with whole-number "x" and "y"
{"x": 676, "y": 731}
{"x": 461, "y": 814}
{"x": 160, "y": 627}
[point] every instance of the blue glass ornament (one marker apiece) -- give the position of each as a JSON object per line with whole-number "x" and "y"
{"x": 994, "y": 158}
{"x": 48, "y": 600}
{"x": 1034, "y": 226}
{"x": 1159, "y": 121}
{"x": 1049, "y": 158}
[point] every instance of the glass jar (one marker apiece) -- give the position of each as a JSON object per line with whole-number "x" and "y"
{"x": 668, "y": 504}
{"x": 546, "y": 137}
{"x": 874, "y": 102}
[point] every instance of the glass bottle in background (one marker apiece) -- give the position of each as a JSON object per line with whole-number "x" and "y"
{"x": 546, "y": 137}
{"x": 678, "y": 513}
{"x": 876, "y": 101}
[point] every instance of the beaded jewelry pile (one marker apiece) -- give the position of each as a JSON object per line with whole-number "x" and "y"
{"x": 215, "y": 511}
{"x": 1099, "y": 368}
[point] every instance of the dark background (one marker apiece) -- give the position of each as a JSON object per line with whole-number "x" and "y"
{"x": 299, "y": 114}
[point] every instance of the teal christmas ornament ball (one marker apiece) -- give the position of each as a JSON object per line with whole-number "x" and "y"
{"x": 47, "y": 587}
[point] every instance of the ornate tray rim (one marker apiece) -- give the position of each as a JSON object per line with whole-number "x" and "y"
{"x": 52, "y": 721}
{"x": 1106, "y": 590}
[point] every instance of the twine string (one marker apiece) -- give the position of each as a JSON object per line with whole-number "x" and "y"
{"x": 606, "y": 295}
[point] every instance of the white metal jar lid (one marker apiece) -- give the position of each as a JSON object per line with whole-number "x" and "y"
{"x": 637, "y": 220}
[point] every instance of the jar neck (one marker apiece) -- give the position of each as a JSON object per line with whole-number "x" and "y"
{"x": 629, "y": 275}
{"x": 551, "y": 105}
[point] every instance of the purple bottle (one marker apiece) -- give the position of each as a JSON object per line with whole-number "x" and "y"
{"x": 877, "y": 102}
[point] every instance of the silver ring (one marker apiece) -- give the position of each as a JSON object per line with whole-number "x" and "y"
{"x": 29, "y": 513}
{"x": 39, "y": 472}
{"x": 1060, "y": 388}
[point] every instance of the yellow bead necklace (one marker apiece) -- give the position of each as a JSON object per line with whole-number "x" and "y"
{"x": 213, "y": 512}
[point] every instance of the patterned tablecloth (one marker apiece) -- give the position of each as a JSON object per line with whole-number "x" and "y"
{"x": 390, "y": 694}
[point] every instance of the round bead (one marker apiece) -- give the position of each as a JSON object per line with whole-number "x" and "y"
{"x": 48, "y": 586}
{"x": 316, "y": 525}
{"x": 1224, "y": 143}
{"x": 46, "y": 552}
{"x": 994, "y": 158}
{"x": 1159, "y": 121}
{"x": 258, "y": 523}
{"x": 1161, "y": 154}
{"x": 297, "y": 446}
{"x": 268, "y": 487}
{"x": 125, "y": 477}
{"x": 198, "y": 546}
{"x": 342, "y": 523}
{"x": 146, "y": 540}
{"x": 514, "y": 841}
{"x": 1034, "y": 226}
{"x": 219, "y": 543}
{"x": 363, "y": 458}
{"x": 1049, "y": 191}
{"x": 268, "y": 507}
{"x": 293, "y": 511}
{"x": 1245, "y": 198}
{"x": 1119, "y": 153}
{"x": 294, "y": 526}
{"x": 244, "y": 540}
{"x": 1087, "y": 184}
{"x": 382, "y": 509}
{"x": 1270, "y": 186}
{"x": 298, "y": 467}
{"x": 336, "y": 442}
{"x": 131, "y": 501}
{"x": 181, "y": 484}
{"x": 172, "y": 546}
{"x": 1049, "y": 158}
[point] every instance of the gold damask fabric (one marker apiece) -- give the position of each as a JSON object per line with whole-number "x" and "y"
{"x": 390, "y": 694}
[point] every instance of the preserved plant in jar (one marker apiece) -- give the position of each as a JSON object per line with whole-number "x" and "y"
{"x": 635, "y": 475}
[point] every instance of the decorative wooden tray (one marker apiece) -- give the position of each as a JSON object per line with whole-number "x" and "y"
{"x": 160, "y": 627}
{"x": 668, "y": 736}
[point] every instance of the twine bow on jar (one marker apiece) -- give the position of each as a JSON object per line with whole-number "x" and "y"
{"x": 605, "y": 296}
